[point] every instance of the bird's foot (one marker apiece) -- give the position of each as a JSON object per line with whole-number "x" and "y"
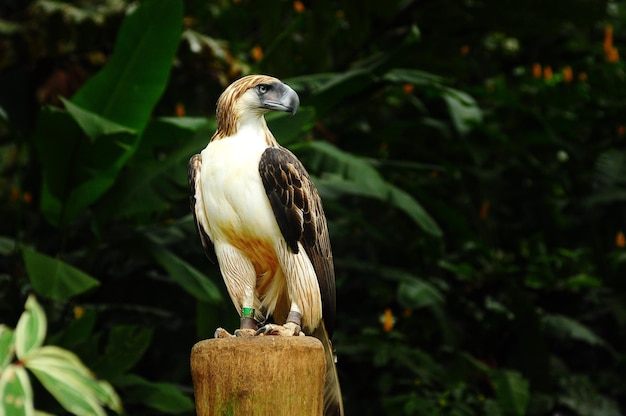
{"x": 248, "y": 329}
{"x": 245, "y": 332}
{"x": 242, "y": 332}
{"x": 222, "y": 333}
{"x": 289, "y": 329}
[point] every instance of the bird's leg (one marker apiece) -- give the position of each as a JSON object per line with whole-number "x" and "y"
{"x": 248, "y": 326}
{"x": 240, "y": 279}
{"x": 291, "y": 327}
{"x": 247, "y": 319}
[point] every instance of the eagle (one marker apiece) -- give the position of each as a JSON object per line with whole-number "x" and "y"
{"x": 260, "y": 216}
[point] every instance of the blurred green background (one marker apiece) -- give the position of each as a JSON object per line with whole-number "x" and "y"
{"x": 471, "y": 156}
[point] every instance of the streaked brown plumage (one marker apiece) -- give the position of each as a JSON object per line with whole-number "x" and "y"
{"x": 259, "y": 214}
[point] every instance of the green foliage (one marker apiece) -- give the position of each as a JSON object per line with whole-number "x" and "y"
{"x": 54, "y": 278}
{"x": 194, "y": 282}
{"x": 126, "y": 90}
{"x": 162, "y": 397}
{"x": 346, "y": 174}
{"x": 472, "y": 173}
{"x": 82, "y": 161}
{"x": 60, "y": 371}
{"x": 15, "y": 391}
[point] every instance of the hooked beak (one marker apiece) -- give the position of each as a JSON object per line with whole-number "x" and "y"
{"x": 281, "y": 97}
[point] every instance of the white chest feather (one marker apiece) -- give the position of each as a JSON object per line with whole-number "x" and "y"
{"x": 234, "y": 197}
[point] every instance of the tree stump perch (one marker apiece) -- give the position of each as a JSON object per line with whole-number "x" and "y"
{"x": 263, "y": 375}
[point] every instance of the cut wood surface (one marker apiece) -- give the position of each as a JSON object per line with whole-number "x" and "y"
{"x": 264, "y": 375}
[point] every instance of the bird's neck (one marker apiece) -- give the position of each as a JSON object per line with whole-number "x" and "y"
{"x": 246, "y": 128}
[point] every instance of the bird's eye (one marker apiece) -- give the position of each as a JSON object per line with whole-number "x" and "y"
{"x": 262, "y": 88}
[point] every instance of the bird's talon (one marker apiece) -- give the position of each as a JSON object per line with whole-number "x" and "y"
{"x": 222, "y": 333}
{"x": 289, "y": 329}
{"x": 245, "y": 332}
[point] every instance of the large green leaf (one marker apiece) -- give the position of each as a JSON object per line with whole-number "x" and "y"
{"x": 58, "y": 138}
{"x": 405, "y": 202}
{"x": 163, "y": 397}
{"x": 54, "y": 278}
{"x": 63, "y": 374}
{"x": 188, "y": 277}
{"x": 78, "y": 169}
{"x": 31, "y": 329}
{"x": 93, "y": 124}
{"x": 16, "y": 394}
{"x": 417, "y": 293}
{"x": 414, "y": 76}
{"x": 82, "y": 151}
{"x": 562, "y": 326}
{"x": 125, "y": 346}
{"x": 310, "y": 82}
{"x": 128, "y": 87}
{"x": 151, "y": 183}
{"x": 464, "y": 110}
{"x": 579, "y": 392}
{"x": 610, "y": 169}
{"x": 610, "y": 179}
{"x": 77, "y": 330}
{"x": 7, "y": 346}
{"x": 7, "y": 246}
{"x": 339, "y": 87}
{"x": 345, "y": 173}
{"x": 325, "y": 157}
{"x": 512, "y": 391}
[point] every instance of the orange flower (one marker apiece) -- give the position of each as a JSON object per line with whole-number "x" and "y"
{"x": 620, "y": 240}
{"x": 257, "y": 53}
{"x": 484, "y": 210}
{"x": 27, "y": 197}
{"x": 298, "y": 6}
{"x": 568, "y": 74}
{"x": 582, "y": 77}
{"x": 79, "y": 311}
{"x": 547, "y": 73}
{"x": 180, "y": 110}
{"x": 189, "y": 21}
{"x": 612, "y": 55}
{"x": 388, "y": 320}
{"x": 408, "y": 88}
{"x": 621, "y": 129}
{"x": 607, "y": 44}
{"x": 536, "y": 70}
{"x": 465, "y": 50}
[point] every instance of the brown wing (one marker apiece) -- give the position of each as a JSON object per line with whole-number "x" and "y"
{"x": 300, "y": 217}
{"x": 197, "y": 205}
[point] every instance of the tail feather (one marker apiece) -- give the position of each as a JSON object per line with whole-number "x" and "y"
{"x": 333, "y": 401}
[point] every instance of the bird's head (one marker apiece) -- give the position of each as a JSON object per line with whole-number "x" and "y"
{"x": 249, "y": 98}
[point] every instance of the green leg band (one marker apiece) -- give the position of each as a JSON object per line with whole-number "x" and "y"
{"x": 247, "y": 312}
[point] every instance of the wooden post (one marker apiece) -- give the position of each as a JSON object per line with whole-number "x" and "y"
{"x": 263, "y": 376}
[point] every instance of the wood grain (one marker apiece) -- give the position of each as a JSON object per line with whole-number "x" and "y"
{"x": 263, "y": 375}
